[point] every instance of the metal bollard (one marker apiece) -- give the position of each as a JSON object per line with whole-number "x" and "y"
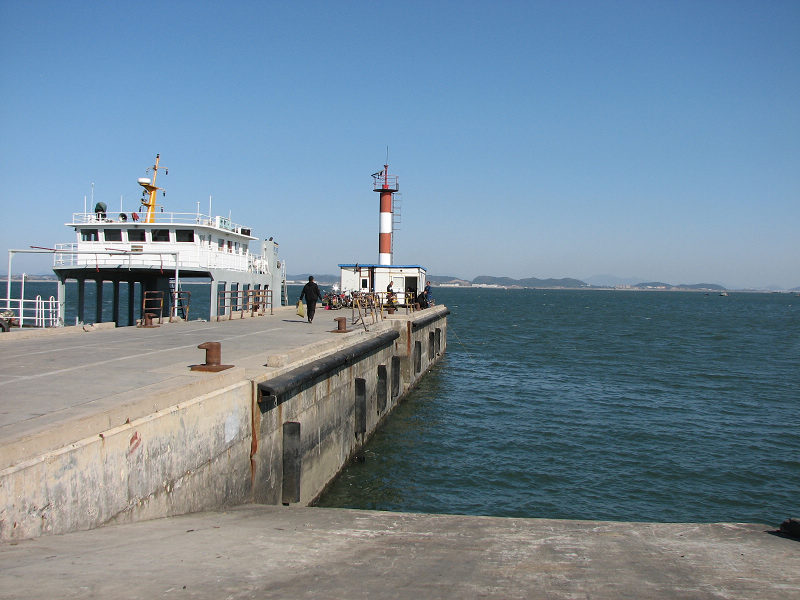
{"x": 342, "y": 325}
{"x": 148, "y": 321}
{"x": 213, "y": 358}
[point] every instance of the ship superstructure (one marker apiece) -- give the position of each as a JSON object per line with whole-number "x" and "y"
{"x": 157, "y": 249}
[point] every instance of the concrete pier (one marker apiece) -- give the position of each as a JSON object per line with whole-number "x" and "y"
{"x": 101, "y": 425}
{"x": 278, "y": 552}
{"x": 104, "y": 431}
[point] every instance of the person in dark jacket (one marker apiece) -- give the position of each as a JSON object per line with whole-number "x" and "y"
{"x": 311, "y": 293}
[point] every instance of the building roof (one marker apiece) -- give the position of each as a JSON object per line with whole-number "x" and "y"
{"x": 368, "y": 265}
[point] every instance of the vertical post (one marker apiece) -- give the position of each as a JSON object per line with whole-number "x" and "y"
{"x": 115, "y": 305}
{"x": 62, "y": 300}
{"x": 417, "y": 357}
{"x": 99, "y": 312}
{"x": 383, "y": 388}
{"x": 214, "y": 298}
{"x": 8, "y": 284}
{"x": 292, "y": 463}
{"x": 395, "y": 377}
{"x": 22, "y": 301}
{"x": 81, "y": 298}
{"x": 177, "y": 285}
{"x": 361, "y": 406}
{"x": 131, "y": 301}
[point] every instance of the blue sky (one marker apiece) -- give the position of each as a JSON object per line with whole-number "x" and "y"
{"x": 658, "y": 140}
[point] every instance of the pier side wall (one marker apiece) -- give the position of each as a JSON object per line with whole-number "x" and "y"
{"x": 278, "y": 437}
{"x": 191, "y": 456}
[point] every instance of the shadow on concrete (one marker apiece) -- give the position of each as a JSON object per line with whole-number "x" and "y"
{"x": 781, "y": 534}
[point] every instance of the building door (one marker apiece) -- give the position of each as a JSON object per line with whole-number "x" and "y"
{"x": 411, "y": 288}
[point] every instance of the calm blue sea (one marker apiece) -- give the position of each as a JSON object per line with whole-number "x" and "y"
{"x": 640, "y": 406}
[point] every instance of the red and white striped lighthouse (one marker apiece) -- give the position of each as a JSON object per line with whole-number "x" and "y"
{"x": 386, "y": 186}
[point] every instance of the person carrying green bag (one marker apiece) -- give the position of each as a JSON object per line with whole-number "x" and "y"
{"x": 311, "y": 293}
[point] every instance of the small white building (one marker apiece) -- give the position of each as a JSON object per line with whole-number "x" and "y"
{"x": 408, "y": 280}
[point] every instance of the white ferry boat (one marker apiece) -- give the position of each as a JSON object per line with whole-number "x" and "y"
{"x": 156, "y": 250}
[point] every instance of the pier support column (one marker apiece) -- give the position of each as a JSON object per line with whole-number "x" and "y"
{"x": 214, "y": 299}
{"x": 62, "y": 301}
{"x": 131, "y": 301}
{"x": 99, "y": 311}
{"x": 115, "y": 305}
{"x": 81, "y": 298}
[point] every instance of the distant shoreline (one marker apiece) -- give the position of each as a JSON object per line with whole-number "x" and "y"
{"x": 614, "y": 289}
{"x": 43, "y": 279}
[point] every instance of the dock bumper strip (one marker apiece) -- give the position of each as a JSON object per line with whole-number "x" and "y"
{"x": 427, "y": 320}
{"x": 275, "y": 391}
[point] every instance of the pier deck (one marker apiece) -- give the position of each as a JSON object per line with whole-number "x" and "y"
{"x": 277, "y": 552}
{"x": 60, "y": 385}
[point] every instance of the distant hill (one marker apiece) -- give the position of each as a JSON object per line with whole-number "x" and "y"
{"x": 701, "y": 286}
{"x": 530, "y": 282}
{"x": 653, "y": 285}
{"x": 660, "y": 285}
{"x": 320, "y": 279}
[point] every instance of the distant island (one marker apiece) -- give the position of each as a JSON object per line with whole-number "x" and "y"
{"x": 566, "y": 283}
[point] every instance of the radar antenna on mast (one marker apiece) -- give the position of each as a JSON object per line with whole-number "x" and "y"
{"x": 151, "y": 190}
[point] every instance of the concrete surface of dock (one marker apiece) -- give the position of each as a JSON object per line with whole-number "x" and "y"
{"x": 58, "y": 385}
{"x": 277, "y": 552}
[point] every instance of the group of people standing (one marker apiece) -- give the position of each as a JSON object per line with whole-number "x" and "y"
{"x": 312, "y": 294}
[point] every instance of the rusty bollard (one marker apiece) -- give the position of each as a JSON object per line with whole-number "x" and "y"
{"x": 147, "y": 322}
{"x": 342, "y": 325}
{"x": 213, "y": 358}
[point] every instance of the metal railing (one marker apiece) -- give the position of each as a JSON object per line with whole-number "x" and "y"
{"x": 243, "y": 301}
{"x": 36, "y": 312}
{"x": 133, "y": 255}
{"x": 257, "y": 302}
{"x": 153, "y": 303}
{"x": 167, "y": 218}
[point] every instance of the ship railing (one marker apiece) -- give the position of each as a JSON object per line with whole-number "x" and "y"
{"x": 232, "y": 303}
{"x": 36, "y": 312}
{"x": 167, "y": 218}
{"x": 133, "y": 255}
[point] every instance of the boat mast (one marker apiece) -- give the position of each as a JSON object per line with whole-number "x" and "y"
{"x": 152, "y": 190}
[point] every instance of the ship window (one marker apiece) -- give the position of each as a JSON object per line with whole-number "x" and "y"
{"x": 136, "y": 235}
{"x": 221, "y": 243}
{"x": 89, "y": 235}
{"x": 160, "y": 235}
{"x": 113, "y": 235}
{"x": 184, "y": 235}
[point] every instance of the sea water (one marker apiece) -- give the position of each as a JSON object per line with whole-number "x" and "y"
{"x": 620, "y": 405}
{"x": 607, "y": 405}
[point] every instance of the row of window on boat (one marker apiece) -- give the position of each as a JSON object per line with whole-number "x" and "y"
{"x": 156, "y": 235}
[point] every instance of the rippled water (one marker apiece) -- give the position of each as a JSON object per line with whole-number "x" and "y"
{"x": 598, "y": 405}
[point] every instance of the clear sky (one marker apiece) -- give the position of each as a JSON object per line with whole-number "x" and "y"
{"x": 658, "y": 140}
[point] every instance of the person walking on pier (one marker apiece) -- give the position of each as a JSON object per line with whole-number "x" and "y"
{"x": 311, "y": 293}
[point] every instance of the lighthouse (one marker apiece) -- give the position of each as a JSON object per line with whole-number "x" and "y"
{"x": 407, "y": 281}
{"x": 386, "y": 185}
